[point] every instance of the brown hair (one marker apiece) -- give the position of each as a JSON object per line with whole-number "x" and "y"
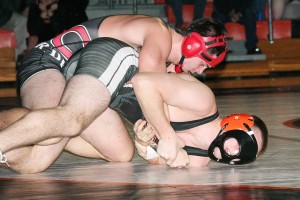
{"x": 258, "y": 122}
{"x": 207, "y": 27}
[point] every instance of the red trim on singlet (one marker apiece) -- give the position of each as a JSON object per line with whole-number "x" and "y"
{"x": 63, "y": 48}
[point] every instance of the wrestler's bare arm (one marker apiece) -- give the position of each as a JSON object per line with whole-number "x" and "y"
{"x": 144, "y": 134}
{"x": 149, "y": 35}
{"x": 155, "y": 50}
{"x": 195, "y": 161}
{"x": 183, "y": 92}
{"x": 152, "y": 106}
{"x": 155, "y": 89}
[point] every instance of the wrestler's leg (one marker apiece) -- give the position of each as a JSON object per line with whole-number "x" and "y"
{"x": 34, "y": 159}
{"x": 30, "y": 159}
{"x": 80, "y": 147}
{"x": 42, "y": 90}
{"x": 108, "y": 133}
{"x": 85, "y": 98}
{"x": 109, "y": 137}
{"x": 83, "y": 101}
{"x": 7, "y": 117}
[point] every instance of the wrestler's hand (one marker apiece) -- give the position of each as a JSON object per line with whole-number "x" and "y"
{"x": 169, "y": 148}
{"x": 182, "y": 159}
{"x": 141, "y": 149}
{"x": 235, "y": 16}
{"x": 147, "y": 152}
{"x": 144, "y": 131}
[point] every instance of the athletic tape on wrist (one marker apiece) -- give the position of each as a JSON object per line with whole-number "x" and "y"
{"x": 151, "y": 153}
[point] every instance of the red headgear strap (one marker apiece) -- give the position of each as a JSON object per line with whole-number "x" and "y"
{"x": 237, "y": 121}
{"x": 194, "y": 45}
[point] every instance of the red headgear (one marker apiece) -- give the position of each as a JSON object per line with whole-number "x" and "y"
{"x": 194, "y": 45}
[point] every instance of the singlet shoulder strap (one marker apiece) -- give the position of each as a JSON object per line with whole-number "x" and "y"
{"x": 180, "y": 126}
{"x": 193, "y": 151}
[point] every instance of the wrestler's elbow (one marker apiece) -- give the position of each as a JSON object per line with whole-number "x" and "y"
{"x": 136, "y": 79}
{"x": 140, "y": 81}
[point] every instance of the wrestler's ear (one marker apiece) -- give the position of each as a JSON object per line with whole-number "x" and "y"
{"x": 192, "y": 45}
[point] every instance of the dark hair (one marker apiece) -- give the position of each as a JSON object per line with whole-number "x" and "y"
{"x": 207, "y": 27}
{"x": 258, "y": 122}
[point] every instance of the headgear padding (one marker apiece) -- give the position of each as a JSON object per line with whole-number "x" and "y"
{"x": 194, "y": 45}
{"x": 237, "y": 126}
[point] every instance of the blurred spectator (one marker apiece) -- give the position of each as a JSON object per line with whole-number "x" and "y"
{"x": 199, "y": 7}
{"x": 278, "y": 7}
{"x": 240, "y": 11}
{"x": 292, "y": 10}
{"x": 12, "y": 19}
{"x": 281, "y": 9}
{"x": 75, "y": 12}
{"x": 261, "y": 9}
{"x": 26, "y": 5}
{"x": 46, "y": 19}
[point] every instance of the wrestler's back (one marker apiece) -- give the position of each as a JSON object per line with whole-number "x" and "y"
{"x": 132, "y": 29}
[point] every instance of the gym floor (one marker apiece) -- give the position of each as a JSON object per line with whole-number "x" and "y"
{"x": 275, "y": 175}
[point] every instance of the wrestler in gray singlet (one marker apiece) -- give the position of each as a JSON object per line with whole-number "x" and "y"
{"x": 123, "y": 100}
{"x": 110, "y": 60}
{"x": 121, "y": 61}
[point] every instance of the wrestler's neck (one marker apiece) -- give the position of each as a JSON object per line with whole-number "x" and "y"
{"x": 201, "y": 136}
{"x": 175, "y": 54}
{"x": 212, "y": 132}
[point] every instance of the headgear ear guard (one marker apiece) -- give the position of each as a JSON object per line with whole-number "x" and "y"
{"x": 194, "y": 45}
{"x": 237, "y": 126}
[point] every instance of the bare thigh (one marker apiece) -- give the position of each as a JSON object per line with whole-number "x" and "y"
{"x": 43, "y": 90}
{"x": 109, "y": 137}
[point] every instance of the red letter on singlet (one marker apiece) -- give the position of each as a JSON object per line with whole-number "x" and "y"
{"x": 75, "y": 35}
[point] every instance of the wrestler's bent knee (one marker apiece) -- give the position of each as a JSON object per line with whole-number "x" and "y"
{"x": 125, "y": 156}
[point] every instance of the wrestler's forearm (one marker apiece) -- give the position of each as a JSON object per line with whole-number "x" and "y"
{"x": 153, "y": 107}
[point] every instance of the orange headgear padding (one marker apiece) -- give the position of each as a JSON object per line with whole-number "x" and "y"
{"x": 194, "y": 45}
{"x": 237, "y": 121}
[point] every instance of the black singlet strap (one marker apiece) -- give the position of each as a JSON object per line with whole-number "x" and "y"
{"x": 193, "y": 151}
{"x": 180, "y": 126}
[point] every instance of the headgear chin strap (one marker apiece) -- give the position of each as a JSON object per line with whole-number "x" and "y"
{"x": 237, "y": 126}
{"x": 194, "y": 45}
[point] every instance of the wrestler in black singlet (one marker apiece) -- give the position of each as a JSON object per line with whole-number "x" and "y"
{"x": 54, "y": 53}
